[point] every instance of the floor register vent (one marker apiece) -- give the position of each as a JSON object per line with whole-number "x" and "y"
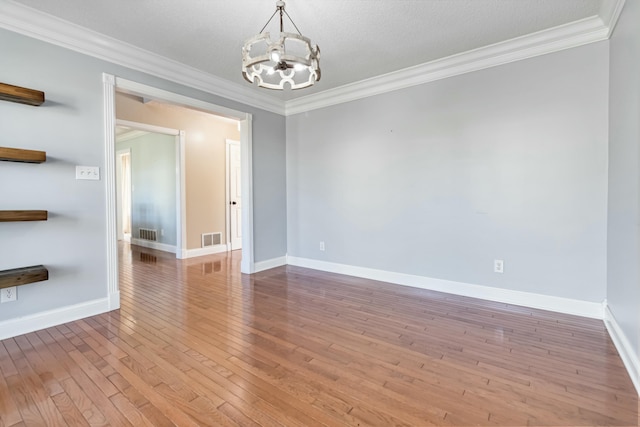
{"x": 211, "y": 239}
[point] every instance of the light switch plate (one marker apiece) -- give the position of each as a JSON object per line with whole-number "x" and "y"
{"x": 88, "y": 172}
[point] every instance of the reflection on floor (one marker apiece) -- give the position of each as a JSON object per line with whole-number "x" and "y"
{"x": 197, "y": 343}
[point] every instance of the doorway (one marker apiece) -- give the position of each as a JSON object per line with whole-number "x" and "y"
{"x": 110, "y": 85}
{"x": 148, "y": 186}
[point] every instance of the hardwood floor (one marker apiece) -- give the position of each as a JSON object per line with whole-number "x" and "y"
{"x": 196, "y": 343}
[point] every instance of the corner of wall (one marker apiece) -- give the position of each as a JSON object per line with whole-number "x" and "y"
{"x": 628, "y": 354}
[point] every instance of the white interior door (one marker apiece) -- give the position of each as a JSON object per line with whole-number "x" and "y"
{"x": 235, "y": 195}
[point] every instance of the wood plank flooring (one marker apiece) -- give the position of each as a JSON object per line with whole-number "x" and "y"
{"x": 197, "y": 343}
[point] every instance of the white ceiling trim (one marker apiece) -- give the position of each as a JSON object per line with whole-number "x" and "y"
{"x": 610, "y": 14}
{"x": 39, "y": 25}
{"x": 33, "y": 23}
{"x": 566, "y": 36}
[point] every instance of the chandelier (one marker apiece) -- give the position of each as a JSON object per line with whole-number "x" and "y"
{"x": 290, "y": 60}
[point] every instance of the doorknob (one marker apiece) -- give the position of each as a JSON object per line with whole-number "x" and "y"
{"x": 233, "y": 203}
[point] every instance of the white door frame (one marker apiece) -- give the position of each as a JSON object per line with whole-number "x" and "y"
{"x": 110, "y": 85}
{"x": 119, "y": 195}
{"x": 181, "y": 227}
{"x": 227, "y": 188}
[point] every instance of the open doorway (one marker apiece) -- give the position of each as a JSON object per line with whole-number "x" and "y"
{"x": 243, "y": 120}
{"x": 148, "y": 186}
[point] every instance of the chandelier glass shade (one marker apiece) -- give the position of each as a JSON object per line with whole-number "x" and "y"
{"x": 289, "y": 61}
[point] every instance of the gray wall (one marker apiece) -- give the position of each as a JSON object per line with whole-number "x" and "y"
{"x": 69, "y": 126}
{"x": 269, "y": 187}
{"x": 71, "y": 244}
{"x": 153, "y": 181}
{"x": 623, "y": 251}
{"x": 440, "y": 179}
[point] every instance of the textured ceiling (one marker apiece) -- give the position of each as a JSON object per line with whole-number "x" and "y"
{"x": 358, "y": 38}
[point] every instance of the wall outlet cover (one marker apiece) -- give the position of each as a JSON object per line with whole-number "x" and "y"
{"x": 8, "y": 294}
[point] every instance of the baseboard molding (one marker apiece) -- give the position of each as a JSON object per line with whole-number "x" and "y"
{"x": 46, "y": 319}
{"x": 192, "y": 253}
{"x": 154, "y": 245}
{"x": 114, "y": 300}
{"x": 527, "y": 299}
{"x": 270, "y": 263}
{"x": 629, "y": 356}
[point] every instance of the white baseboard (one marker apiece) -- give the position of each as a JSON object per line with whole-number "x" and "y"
{"x": 270, "y": 263}
{"x": 114, "y": 300}
{"x": 153, "y": 245}
{"x": 629, "y": 356}
{"x": 527, "y": 299}
{"x": 46, "y": 319}
{"x": 192, "y": 253}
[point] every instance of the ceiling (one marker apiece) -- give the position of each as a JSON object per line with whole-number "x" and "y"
{"x": 359, "y": 39}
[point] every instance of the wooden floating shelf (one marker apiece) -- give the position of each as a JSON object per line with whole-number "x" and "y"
{"x": 23, "y": 276}
{"x": 11, "y": 216}
{"x": 20, "y": 155}
{"x": 21, "y": 95}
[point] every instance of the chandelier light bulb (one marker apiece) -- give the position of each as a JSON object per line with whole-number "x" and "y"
{"x": 275, "y": 56}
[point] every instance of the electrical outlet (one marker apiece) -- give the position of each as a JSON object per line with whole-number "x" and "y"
{"x": 8, "y": 294}
{"x": 498, "y": 266}
{"x": 322, "y": 246}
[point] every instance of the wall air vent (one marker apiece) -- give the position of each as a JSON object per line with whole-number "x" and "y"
{"x": 148, "y": 234}
{"x": 211, "y": 239}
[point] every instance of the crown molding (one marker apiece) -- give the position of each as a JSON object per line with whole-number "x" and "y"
{"x": 566, "y": 36}
{"x": 42, "y": 26}
{"x": 610, "y": 13}
{"x": 34, "y": 23}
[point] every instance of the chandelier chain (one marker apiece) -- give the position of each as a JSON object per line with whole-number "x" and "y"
{"x": 294, "y": 24}
{"x": 274, "y": 14}
{"x": 281, "y": 10}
